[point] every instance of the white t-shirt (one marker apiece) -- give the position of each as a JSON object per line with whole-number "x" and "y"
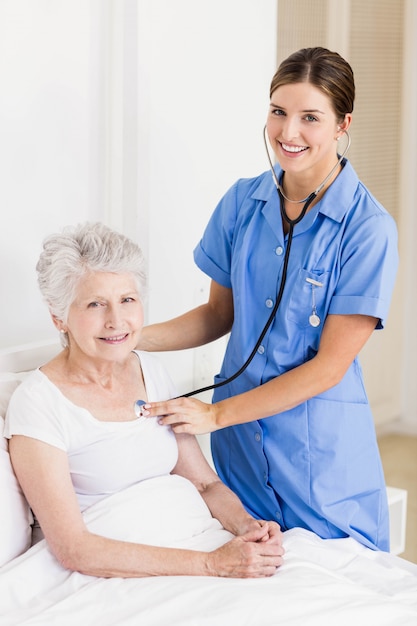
{"x": 104, "y": 457}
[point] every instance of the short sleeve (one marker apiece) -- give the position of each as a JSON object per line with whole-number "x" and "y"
{"x": 369, "y": 263}
{"x": 213, "y": 253}
{"x": 32, "y": 412}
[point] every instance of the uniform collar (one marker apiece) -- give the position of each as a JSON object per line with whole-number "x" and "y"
{"x": 335, "y": 202}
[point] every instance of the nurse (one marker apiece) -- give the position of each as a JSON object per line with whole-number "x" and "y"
{"x": 293, "y": 434}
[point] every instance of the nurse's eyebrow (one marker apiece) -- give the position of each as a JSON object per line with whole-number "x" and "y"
{"x": 277, "y": 106}
{"x": 313, "y": 111}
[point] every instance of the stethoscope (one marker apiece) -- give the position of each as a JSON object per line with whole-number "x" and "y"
{"x": 314, "y": 319}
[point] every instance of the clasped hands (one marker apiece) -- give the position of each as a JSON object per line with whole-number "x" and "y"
{"x": 256, "y": 553}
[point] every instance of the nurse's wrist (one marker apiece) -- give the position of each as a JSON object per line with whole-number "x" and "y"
{"x": 221, "y": 417}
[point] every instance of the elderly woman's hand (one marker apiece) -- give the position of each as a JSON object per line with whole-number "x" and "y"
{"x": 270, "y": 530}
{"x": 184, "y": 415}
{"x": 246, "y": 556}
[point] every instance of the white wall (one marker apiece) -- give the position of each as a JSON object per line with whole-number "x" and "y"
{"x": 137, "y": 112}
{"x": 207, "y": 68}
{"x": 49, "y": 137}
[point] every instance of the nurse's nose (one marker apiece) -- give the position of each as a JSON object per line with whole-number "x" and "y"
{"x": 290, "y": 129}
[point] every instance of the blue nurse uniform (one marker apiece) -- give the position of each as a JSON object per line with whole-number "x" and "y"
{"x": 316, "y": 466}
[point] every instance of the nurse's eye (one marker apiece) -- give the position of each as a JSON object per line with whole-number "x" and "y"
{"x": 311, "y": 118}
{"x": 277, "y": 112}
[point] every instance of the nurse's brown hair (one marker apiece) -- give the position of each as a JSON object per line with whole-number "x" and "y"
{"x": 326, "y": 70}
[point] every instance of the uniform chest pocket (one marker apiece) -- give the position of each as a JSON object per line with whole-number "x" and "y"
{"x": 307, "y": 303}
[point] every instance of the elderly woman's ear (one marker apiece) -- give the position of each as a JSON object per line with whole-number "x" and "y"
{"x": 59, "y": 324}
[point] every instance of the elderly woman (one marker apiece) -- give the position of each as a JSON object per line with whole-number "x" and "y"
{"x": 75, "y": 438}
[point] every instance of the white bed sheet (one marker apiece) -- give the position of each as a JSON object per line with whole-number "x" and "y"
{"x": 324, "y": 582}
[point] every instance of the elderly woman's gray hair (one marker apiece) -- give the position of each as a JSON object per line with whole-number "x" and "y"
{"x": 78, "y": 250}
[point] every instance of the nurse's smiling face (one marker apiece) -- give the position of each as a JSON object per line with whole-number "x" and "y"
{"x": 303, "y": 129}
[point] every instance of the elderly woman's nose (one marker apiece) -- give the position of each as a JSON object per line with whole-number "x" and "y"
{"x": 113, "y": 317}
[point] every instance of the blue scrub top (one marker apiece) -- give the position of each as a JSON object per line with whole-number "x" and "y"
{"x": 316, "y": 466}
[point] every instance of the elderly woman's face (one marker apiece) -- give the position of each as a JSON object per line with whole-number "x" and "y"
{"x": 106, "y": 317}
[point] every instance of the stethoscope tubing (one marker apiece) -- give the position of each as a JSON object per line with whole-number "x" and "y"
{"x": 273, "y": 313}
{"x": 292, "y": 223}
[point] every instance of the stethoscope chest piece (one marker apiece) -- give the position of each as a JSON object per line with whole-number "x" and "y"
{"x": 137, "y": 407}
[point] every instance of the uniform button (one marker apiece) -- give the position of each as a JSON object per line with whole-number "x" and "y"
{"x": 257, "y": 437}
{"x": 265, "y": 476}
{"x": 279, "y": 250}
{"x": 269, "y": 303}
{"x": 261, "y": 349}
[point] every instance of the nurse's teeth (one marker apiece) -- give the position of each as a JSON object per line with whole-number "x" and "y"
{"x": 293, "y": 148}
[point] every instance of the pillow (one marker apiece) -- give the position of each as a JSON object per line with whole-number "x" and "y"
{"x": 15, "y": 516}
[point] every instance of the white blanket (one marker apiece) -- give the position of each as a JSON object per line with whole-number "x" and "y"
{"x": 323, "y": 582}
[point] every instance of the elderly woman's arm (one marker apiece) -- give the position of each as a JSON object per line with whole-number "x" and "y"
{"x": 224, "y": 505}
{"x": 43, "y": 473}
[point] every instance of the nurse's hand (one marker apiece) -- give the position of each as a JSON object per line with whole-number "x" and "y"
{"x": 184, "y": 415}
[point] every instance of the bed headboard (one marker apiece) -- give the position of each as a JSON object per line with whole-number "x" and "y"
{"x": 27, "y": 356}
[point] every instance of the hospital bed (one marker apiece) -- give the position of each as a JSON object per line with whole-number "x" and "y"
{"x": 324, "y": 582}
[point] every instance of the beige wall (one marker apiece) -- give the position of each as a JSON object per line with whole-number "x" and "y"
{"x": 378, "y": 37}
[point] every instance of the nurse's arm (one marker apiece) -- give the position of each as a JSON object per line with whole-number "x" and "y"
{"x": 197, "y": 327}
{"x": 342, "y": 339}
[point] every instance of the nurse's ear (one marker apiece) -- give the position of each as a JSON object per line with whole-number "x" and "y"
{"x": 343, "y": 126}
